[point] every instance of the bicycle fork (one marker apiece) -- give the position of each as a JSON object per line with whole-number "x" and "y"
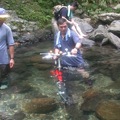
{"x": 62, "y": 90}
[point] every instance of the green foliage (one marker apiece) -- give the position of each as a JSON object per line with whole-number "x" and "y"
{"x": 31, "y": 10}
{"x": 117, "y": 11}
{"x": 97, "y": 6}
{"x": 41, "y": 10}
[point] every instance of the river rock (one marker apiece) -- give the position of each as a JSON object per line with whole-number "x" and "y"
{"x": 87, "y": 42}
{"x": 102, "y": 35}
{"x": 84, "y": 25}
{"x": 19, "y": 115}
{"x": 40, "y": 105}
{"x": 117, "y": 6}
{"x": 114, "y": 88}
{"x": 114, "y": 67}
{"x": 108, "y": 110}
{"x": 99, "y": 34}
{"x": 108, "y": 17}
{"x": 114, "y": 27}
{"x": 114, "y": 40}
{"x": 92, "y": 98}
{"x": 102, "y": 82}
{"x": 89, "y": 94}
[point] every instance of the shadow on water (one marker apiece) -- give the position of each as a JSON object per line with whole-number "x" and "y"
{"x": 30, "y": 79}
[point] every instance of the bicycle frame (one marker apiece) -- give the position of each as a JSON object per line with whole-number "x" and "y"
{"x": 57, "y": 73}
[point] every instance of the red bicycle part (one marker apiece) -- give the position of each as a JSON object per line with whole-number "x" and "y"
{"x": 57, "y": 74}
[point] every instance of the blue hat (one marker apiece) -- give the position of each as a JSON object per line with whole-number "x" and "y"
{"x": 3, "y": 13}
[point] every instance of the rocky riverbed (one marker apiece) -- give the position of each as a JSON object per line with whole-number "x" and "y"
{"x": 32, "y": 93}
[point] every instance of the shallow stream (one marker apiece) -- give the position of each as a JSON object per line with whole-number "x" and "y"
{"x": 30, "y": 79}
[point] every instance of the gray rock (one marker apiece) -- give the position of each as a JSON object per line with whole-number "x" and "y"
{"x": 114, "y": 27}
{"x": 108, "y": 17}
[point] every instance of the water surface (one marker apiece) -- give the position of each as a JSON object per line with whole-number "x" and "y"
{"x": 30, "y": 79}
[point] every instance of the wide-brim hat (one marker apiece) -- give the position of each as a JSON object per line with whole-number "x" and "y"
{"x": 3, "y": 14}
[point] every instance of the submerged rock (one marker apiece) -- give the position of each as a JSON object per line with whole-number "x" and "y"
{"x": 108, "y": 110}
{"x": 19, "y": 116}
{"x": 41, "y": 105}
{"x": 92, "y": 98}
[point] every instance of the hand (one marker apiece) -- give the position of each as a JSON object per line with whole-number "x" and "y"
{"x": 11, "y": 63}
{"x": 63, "y": 17}
{"x": 74, "y": 51}
{"x": 55, "y": 57}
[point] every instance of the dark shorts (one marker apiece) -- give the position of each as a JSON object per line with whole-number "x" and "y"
{"x": 4, "y": 71}
{"x": 72, "y": 62}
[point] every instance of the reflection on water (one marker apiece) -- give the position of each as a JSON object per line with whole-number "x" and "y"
{"x": 30, "y": 79}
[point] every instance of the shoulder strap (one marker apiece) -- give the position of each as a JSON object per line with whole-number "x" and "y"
{"x": 70, "y": 13}
{"x": 57, "y": 39}
{"x": 68, "y": 7}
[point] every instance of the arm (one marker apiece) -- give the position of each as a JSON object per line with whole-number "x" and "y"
{"x": 11, "y": 52}
{"x": 68, "y": 21}
{"x": 78, "y": 29}
{"x": 77, "y": 41}
{"x": 56, "y": 51}
{"x": 76, "y": 48}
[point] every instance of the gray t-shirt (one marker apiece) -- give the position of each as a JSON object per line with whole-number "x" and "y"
{"x": 6, "y": 39}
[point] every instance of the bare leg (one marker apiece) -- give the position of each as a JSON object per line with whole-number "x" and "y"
{"x": 79, "y": 31}
{"x": 84, "y": 73}
{"x": 86, "y": 76}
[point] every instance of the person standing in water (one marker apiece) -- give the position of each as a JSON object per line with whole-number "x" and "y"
{"x": 6, "y": 49}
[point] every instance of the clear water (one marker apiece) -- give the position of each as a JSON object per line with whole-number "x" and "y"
{"x": 30, "y": 79}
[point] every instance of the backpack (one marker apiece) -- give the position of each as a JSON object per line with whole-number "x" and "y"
{"x": 56, "y": 11}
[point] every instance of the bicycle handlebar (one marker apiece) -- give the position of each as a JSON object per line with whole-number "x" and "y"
{"x": 50, "y": 55}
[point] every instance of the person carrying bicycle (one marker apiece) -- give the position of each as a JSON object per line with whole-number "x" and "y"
{"x": 68, "y": 39}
